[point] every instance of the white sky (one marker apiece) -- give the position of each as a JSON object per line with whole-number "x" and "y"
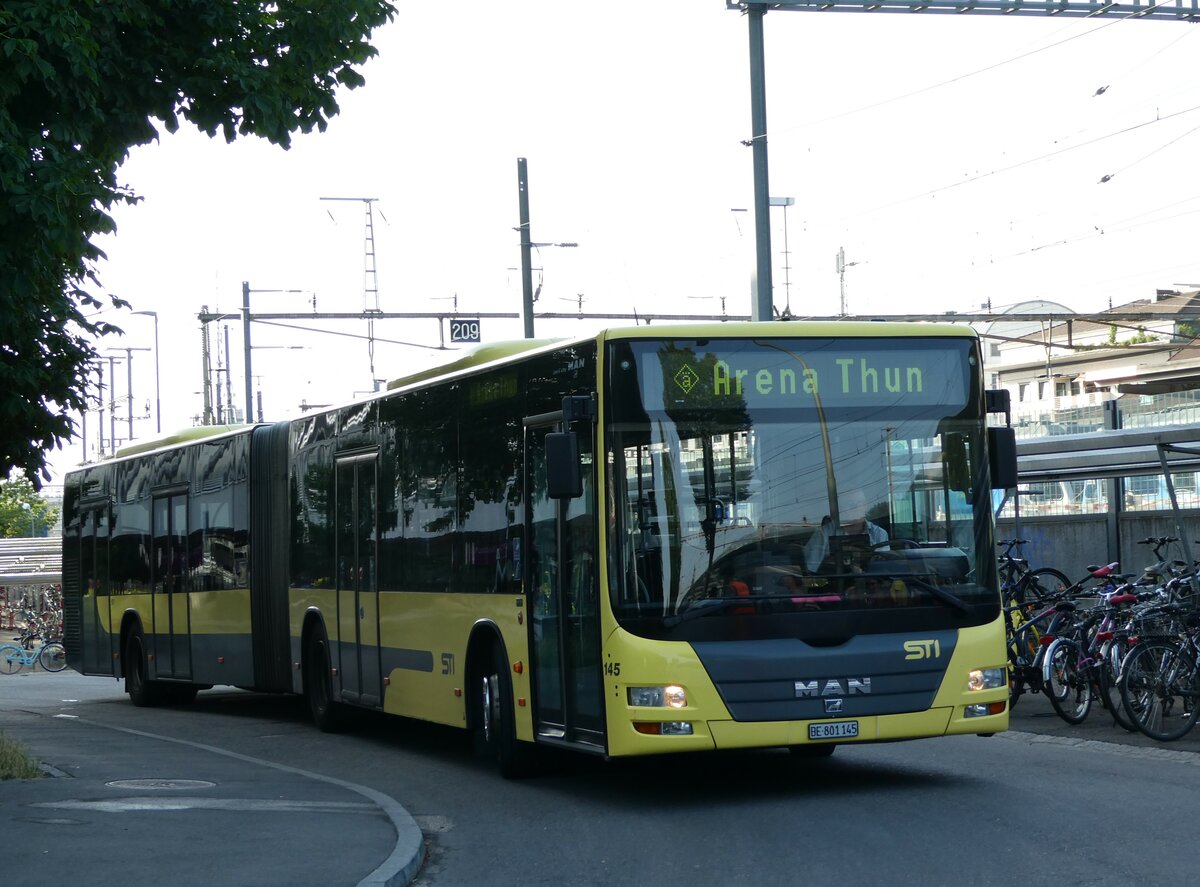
{"x": 957, "y": 160}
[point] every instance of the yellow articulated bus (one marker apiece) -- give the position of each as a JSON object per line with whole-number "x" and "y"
{"x": 653, "y": 540}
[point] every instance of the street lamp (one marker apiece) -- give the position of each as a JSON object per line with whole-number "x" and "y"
{"x": 528, "y": 296}
{"x": 785, "y": 202}
{"x": 157, "y": 389}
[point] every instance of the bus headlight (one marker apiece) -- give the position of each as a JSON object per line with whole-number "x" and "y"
{"x": 670, "y": 696}
{"x": 986, "y": 678}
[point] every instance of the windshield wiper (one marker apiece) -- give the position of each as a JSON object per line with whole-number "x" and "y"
{"x": 713, "y": 606}
{"x": 946, "y": 597}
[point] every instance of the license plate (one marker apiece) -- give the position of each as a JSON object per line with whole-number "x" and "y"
{"x": 833, "y": 730}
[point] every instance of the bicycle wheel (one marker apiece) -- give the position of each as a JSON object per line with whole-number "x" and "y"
{"x": 53, "y": 656}
{"x": 1159, "y": 689}
{"x": 1023, "y": 649}
{"x": 1044, "y": 582}
{"x": 12, "y": 658}
{"x": 1108, "y": 675}
{"x": 1068, "y": 687}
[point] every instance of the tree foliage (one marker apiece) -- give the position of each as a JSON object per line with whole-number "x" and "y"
{"x": 81, "y": 82}
{"x": 22, "y": 511}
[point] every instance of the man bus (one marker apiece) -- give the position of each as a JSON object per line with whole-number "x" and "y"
{"x": 596, "y": 544}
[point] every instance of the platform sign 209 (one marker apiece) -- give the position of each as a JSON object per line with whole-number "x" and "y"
{"x": 464, "y": 329}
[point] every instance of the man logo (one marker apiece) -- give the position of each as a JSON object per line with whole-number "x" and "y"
{"x": 930, "y": 649}
{"x": 833, "y": 687}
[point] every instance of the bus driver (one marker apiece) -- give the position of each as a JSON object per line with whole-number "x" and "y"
{"x": 852, "y": 511}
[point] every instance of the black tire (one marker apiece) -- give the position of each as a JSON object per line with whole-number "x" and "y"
{"x": 1069, "y": 689}
{"x": 329, "y": 716}
{"x": 1040, "y": 584}
{"x": 493, "y": 720}
{"x": 142, "y": 691}
{"x": 1109, "y": 683}
{"x": 1016, "y": 687}
{"x": 11, "y": 659}
{"x": 1159, "y": 688}
{"x": 1023, "y": 649}
{"x": 52, "y": 656}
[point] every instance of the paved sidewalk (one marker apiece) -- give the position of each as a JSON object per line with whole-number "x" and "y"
{"x": 1034, "y": 714}
{"x": 132, "y": 807}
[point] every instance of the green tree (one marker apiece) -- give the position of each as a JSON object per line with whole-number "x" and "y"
{"x": 81, "y": 82}
{"x": 22, "y": 511}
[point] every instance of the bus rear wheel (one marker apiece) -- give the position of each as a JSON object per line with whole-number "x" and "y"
{"x": 328, "y": 715}
{"x": 142, "y": 691}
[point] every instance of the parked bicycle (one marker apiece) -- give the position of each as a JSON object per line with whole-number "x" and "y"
{"x": 51, "y": 656}
{"x": 1027, "y": 626}
{"x": 1037, "y": 604}
{"x": 1077, "y": 667}
{"x": 1160, "y": 681}
{"x": 1019, "y": 583}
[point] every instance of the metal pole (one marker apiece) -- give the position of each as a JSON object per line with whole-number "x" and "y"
{"x": 841, "y": 270}
{"x": 129, "y": 389}
{"x": 112, "y": 412}
{"x": 220, "y": 406}
{"x": 100, "y": 422}
{"x": 229, "y": 382}
{"x": 761, "y": 308}
{"x": 206, "y": 362}
{"x": 157, "y": 384}
{"x": 526, "y": 246}
{"x": 246, "y": 343}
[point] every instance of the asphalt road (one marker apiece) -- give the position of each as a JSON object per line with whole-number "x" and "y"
{"x": 1045, "y": 803}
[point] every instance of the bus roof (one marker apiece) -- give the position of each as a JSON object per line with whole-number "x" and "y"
{"x": 477, "y": 356}
{"x": 185, "y": 435}
{"x": 791, "y": 328}
{"x": 492, "y": 352}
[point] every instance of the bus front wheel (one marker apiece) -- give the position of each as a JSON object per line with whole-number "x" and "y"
{"x": 494, "y": 727}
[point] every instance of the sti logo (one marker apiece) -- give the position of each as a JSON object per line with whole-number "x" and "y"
{"x": 930, "y": 649}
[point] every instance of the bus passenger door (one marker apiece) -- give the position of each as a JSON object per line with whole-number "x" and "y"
{"x": 171, "y": 633}
{"x": 95, "y": 622}
{"x": 561, "y": 584}
{"x": 358, "y": 588}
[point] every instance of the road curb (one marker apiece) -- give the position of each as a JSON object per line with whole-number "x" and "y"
{"x": 401, "y": 865}
{"x": 1113, "y": 748}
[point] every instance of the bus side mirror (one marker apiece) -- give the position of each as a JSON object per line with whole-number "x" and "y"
{"x": 564, "y": 475}
{"x": 1002, "y": 457}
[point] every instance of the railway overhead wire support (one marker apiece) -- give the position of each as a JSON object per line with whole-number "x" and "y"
{"x": 755, "y": 10}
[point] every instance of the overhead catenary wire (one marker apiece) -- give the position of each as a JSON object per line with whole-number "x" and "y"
{"x": 1109, "y": 82}
{"x": 1031, "y": 160}
{"x": 784, "y": 130}
{"x": 1110, "y": 176}
{"x": 309, "y": 329}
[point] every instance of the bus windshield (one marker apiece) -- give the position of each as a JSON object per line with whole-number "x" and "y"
{"x": 797, "y": 487}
